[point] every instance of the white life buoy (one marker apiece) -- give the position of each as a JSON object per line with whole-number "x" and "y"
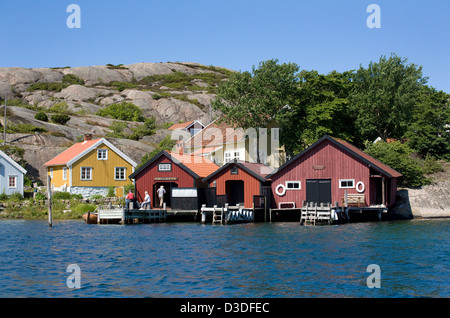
{"x": 283, "y": 190}
{"x": 360, "y": 187}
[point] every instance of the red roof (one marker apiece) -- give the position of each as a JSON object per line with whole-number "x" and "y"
{"x": 181, "y": 125}
{"x": 200, "y": 165}
{"x": 70, "y": 153}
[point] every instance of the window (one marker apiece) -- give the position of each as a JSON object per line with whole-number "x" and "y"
{"x": 120, "y": 173}
{"x": 346, "y": 183}
{"x": 102, "y": 154}
{"x": 64, "y": 173}
{"x": 12, "y": 182}
{"x": 86, "y": 173}
{"x": 165, "y": 167}
{"x": 231, "y": 155}
{"x": 51, "y": 173}
{"x": 293, "y": 185}
{"x": 234, "y": 170}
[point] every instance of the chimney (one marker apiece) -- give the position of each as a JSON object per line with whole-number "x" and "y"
{"x": 87, "y": 137}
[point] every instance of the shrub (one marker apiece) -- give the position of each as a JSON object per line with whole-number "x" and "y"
{"x": 40, "y": 196}
{"x": 60, "y": 119}
{"x": 72, "y": 79}
{"x": 16, "y": 196}
{"x": 41, "y": 116}
{"x": 25, "y": 129}
{"x": 61, "y": 196}
{"x": 123, "y": 111}
{"x": 60, "y": 108}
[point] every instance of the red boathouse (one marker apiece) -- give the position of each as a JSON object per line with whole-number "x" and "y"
{"x": 170, "y": 170}
{"x": 240, "y": 181}
{"x": 328, "y": 169}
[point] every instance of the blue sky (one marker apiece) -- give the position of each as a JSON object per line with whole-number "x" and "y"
{"x": 323, "y": 35}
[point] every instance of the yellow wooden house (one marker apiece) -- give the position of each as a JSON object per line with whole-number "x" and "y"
{"x": 90, "y": 167}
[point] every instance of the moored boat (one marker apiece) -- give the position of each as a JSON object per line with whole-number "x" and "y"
{"x": 90, "y": 217}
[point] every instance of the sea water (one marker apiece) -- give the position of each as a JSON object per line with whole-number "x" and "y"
{"x": 267, "y": 260}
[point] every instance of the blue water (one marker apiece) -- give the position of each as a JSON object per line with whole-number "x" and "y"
{"x": 276, "y": 260}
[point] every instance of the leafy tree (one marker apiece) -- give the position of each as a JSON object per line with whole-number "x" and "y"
{"x": 251, "y": 100}
{"x": 60, "y": 118}
{"x": 429, "y": 133}
{"x": 398, "y": 156}
{"x": 322, "y": 107}
{"x": 384, "y": 96}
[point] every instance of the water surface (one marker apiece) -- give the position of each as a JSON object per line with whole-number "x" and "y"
{"x": 276, "y": 260}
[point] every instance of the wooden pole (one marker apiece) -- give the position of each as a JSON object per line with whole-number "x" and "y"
{"x": 49, "y": 191}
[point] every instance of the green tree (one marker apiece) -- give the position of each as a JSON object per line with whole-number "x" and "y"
{"x": 384, "y": 96}
{"x": 251, "y": 100}
{"x": 399, "y": 157}
{"x": 322, "y": 107}
{"x": 429, "y": 133}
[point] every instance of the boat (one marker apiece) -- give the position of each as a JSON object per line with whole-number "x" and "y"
{"x": 90, "y": 217}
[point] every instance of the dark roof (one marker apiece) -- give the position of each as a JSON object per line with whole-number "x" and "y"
{"x": 197, "y": 167}
{"x": 257, "y": 170}
{"x": 349, "y": 148}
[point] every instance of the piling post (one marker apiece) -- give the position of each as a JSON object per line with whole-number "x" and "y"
{"x": 49, "y": 191}
{"x": 203, "y": 213}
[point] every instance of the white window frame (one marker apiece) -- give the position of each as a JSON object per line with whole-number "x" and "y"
{"x": 116, "y": 169}
{"x": 162, "y": 167}
{"x": 90, "y": 173}
{"x": 346, "y": 187}
{"x": 64, "y": 173}
{"x": 12, "y": 177}
{"x": 230, "y": 155}
{"x": 102, "y": 154}
{"x": 51, "y": 173}
{"x": 294, "y": 182}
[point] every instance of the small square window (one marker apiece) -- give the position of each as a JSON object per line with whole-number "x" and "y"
{"x": 165, "y": 167}
{"x": 86, "y": 173}
{"x": 102, "y": 154}
{"x": 120, "y": 173}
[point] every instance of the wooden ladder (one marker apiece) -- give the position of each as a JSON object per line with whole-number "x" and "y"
{"x": 217, "y": 216}
{"x": 308, "y": 215}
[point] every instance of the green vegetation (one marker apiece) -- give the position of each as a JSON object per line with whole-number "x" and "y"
{"x": 72, "y": 79}
{"x": 41, "y": 116}
{"x": 123, "y": 111}
{"x": 116, "y": 67}
{"x": 148, "y": 128}
{"x": 61, "y": 119}
{"x": 24, "y": 129}
{"x": 387, "y": 99}
{"x": 60, "y": 108}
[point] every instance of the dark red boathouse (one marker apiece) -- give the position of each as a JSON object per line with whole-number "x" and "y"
{"x": 328, "y": 169}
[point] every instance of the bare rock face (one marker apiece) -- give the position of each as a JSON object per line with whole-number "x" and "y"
{"x": 165, "y": 104}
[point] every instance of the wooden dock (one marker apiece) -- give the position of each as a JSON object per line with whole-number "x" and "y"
{"x": 227, "y": 214}
{"x": 113, "y": 215}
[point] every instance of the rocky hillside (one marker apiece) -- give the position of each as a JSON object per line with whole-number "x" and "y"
{"x": 169, "y": 92}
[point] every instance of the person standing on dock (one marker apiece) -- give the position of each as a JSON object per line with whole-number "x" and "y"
{"x": 161, "y": 191}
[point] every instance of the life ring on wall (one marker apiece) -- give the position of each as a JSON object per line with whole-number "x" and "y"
{"x": 283, "y": 190}
{"x": 360, "y": 187}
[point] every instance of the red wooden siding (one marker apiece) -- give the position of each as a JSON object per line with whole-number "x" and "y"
{"x": 336, "y": 163}
{"x": 146, "y": 178}
{"x": 252, "y": 185}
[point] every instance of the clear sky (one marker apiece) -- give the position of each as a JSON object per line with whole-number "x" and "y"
{"x": 323, "y": 35}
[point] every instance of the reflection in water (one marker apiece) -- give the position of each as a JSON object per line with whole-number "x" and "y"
{"x": 247, "y": 260}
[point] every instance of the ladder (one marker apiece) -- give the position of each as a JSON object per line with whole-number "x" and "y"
{"x": 217, "y": 216}
{"x": 308, "y": 215}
